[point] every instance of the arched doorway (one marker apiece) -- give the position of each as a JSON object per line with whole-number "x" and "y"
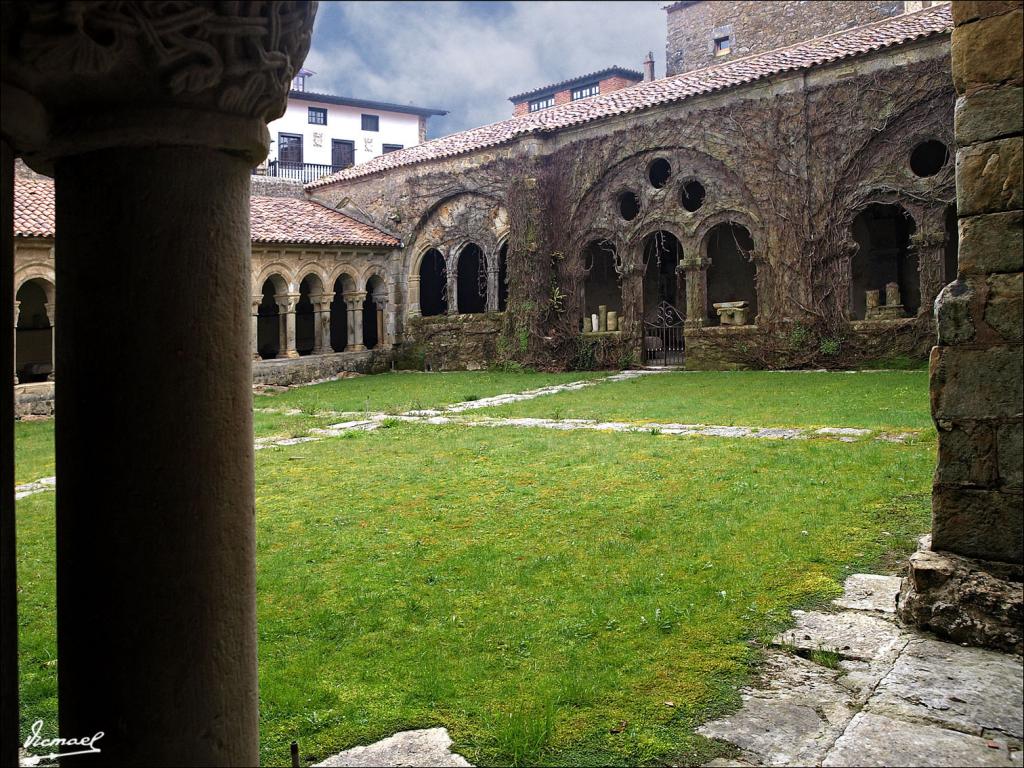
{"x": 373, "y": 312}
{"x": 602, "y": 285}
{"x": 34, "y": 331}
{"x": 343, "y": 286}
{"x": 884, "y": 263}
{"x": 472, "y": 280}
{"x": 306, "y": 318}
{"x": 664, "y": 299}
{"x": 731, "y": 273}
{"x": 433, "y": 284}
{"x": 268, "y": 318}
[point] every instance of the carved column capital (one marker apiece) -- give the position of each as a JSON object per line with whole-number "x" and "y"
{"x": 97, "y": 75}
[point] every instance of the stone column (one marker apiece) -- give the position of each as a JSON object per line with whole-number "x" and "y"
{"x": 696, "y": 272}
{"x": 286, "y": 311}
{"x": 51, "y": 317}
{"x": 414, "y": 295}
{"x": 453, "y": 282}
{"x": 14, "y": 338}
{"x": 156, "y": 599}
{"x": 492, "y": 285}
{"x": 930, "y": 247}
{"x": 256, "y": 301}
{"x": 356, "y": 320}
{"x": 967, "y": 584}
{"x": 322, "y": 323}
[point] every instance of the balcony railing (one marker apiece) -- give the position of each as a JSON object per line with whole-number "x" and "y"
{"x": 304, "y": 172}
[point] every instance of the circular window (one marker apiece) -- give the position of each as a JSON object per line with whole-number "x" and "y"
{"x": 928, "y": 158}
{"x": 659, "y": 172}
{"x": 693, "y": 195}
{"x": 629, "y": 205}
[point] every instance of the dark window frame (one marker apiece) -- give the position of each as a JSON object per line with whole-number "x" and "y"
{"x": 723, "y": 45}
{"x": 538, "y": 104}
{"x": 585, "y": 91}
{"x": 346, "y": 142}
{"x": 375, "y": 122}
{"x": 385, "y": 148}
{"x": 280, "y": 153}
{"x": 320, "y": 111}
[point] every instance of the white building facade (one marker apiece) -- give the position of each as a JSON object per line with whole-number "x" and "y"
{"x": 321, "y": 133}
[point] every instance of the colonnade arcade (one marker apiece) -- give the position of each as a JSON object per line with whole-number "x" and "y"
{"x": 463, "y": 278}
{"x": 309, "y": 313}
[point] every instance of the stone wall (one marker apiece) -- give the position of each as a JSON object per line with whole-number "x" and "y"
{"x": 755, "y": 26}
{"x": 283, "y": 373}
{"x": 450, "y": 342}
{"x": 271, "y": 186}
{"x": 33, "y": 399}
{"x": 967, "y": 584}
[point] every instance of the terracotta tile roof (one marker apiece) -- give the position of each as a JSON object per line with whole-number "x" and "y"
{"x": 273, "y": 219}
{"x": 287, "y": 220}
{"x": 33, "y": 206}
{"x": 612, "y": 71}
{"x": 856, "y": 41}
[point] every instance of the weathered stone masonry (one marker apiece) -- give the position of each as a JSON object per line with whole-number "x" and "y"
{"x": 760, "y": 202}
{"x": 968, "y": 584}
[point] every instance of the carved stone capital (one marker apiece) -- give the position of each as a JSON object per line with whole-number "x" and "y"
{"x": 94, "y": 75}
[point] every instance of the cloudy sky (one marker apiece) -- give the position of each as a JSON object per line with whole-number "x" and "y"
{"x": 469, "y": 57}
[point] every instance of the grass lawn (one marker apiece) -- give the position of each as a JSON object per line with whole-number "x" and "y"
{"x": 34, "y": 457}
{"x": 408, "y": 390}
{"x": 879, "y": 399}
{"x": 541, "y": 594}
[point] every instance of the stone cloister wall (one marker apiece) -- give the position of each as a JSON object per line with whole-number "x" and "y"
{"x": 792, "y": 161}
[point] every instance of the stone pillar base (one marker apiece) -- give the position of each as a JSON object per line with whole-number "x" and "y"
{"x": 356, "y": 348}
{"x": 974, "y": 602}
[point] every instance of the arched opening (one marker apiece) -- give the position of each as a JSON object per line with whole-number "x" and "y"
{"x": 602, "y": 285}
{"x": 884, "y": 279}
{"x": 34, "y": 334}
{"x": 692, "y": 195}
{"x": 472, "y": 280}
{"x": 433, "y": 284}
{"x": 339, "y": 312}
{"x": 503, "y": 277}
{"x": 268, "y": 318}
{"x": 373, "y": 312}
{"x": 928, "y": 158}
{"x": 662, "y": 283}
{"x": 305, "y": 315}
{"x": 951, "y": 257}
{"x": 731, "y": 275}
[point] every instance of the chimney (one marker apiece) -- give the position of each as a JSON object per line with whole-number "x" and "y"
{"x": 649, "y": 67}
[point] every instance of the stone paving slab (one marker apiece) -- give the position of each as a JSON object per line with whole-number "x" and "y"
{"x": 870, "y": 592}
{"x": 427, "y": 747}
{"x": 851, "y": 635}
{"x": 876, "y": 740}
{"x": 36, "y": 486}
{"x": 953, "y": 686}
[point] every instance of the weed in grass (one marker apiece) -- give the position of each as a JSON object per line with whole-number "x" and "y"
{"x": 655, "y": 430}
{"x": 522, "y": 734}
{"x": 390, "y": 422}
{"x": 470, "y": 398}
{"x": 825, "y": 658}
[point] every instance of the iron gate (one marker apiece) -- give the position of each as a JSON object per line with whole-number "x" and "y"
{"x": 663, "y": 336}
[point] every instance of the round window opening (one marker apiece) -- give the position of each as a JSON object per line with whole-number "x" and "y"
{"x": 693, "y": 195}
{"x": 629, "y": 205}
{"x": 659, "y": 172}
{"x": 928, "y": 158}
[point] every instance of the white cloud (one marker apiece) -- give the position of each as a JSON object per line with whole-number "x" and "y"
{"x": 470, "y": 57}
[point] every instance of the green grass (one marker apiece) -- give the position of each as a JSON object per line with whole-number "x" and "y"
{"x": 33, "y": 455}
{"x": 407, "y": 390}
{"x": 882, "y": 399}
{"x": 541, "y": 594}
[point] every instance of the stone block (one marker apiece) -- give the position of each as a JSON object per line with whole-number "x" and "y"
{"x": 877, "y": 740}
{"x": 976, "y": 383}
{"x": 987, "y": 51}
{"x": 1010, "y": 447}
{"x": 980, "y": 523}
{"x": 870, "y": 592}
{"x": 966, "y": 600}
{"x": 1004, "y": 310}
{"x": 953, "y": 313}
{"x": 967, "y": 454}
{"x": 852, "y": 635}
{"x": 990, "y": 114}
{"x": 991, "y": 242}
{"x": 988, "y": 177}
{"x": 951, "y": 686}
{"x": 971, "y": 10}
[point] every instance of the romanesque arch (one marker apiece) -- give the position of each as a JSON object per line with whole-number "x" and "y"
{"x": 728, "y": 249}
{"x": 885, "y": 282}
{"x": 34, "y": 328}
{"x": 270, "y": 341}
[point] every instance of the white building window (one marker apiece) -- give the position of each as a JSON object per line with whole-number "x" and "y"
{"x": 539, "y": 104}
{"x": 591, "y": 89}
{"x": 317, "y": 116}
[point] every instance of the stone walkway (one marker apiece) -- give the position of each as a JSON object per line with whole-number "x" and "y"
{"x": 36, "y": 486}
{"x": 854, "y": 688}
{"x": 428, "y": 747}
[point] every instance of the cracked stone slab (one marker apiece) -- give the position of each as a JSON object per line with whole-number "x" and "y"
{"x": 876, "y": 740}
{"x": 36, "y": 486}
{"x": 967, "y": 689}
{"x": 850, "y": 634}
{"x": 793, "y": 718}
{"x": 846, "y": 431}
{"x": 870, "y": 592}
{"x": 427, "y": 747}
